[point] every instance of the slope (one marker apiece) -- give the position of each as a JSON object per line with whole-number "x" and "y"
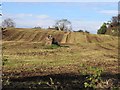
{"x": 36, "y": 35}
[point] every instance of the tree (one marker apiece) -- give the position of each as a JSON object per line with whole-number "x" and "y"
{"x": 80, "y": 31}
{"x": 115, "y": 20}
{"x": 87, "y": 32}
{"x": 102, "y": 29}
{"x": 37, "y": 27}
{"x": 63, "y": 25}
{"x": 8, "y": 23}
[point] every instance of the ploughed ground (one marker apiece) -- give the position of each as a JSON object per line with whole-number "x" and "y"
{"x": 31, "y": 64}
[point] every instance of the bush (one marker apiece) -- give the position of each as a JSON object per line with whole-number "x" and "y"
{"x": 80, "y": 31}
{"x": 102, "y": 29}
{"x": 93, "y": 79}
{"x": 53, "y": 46}
{"x": 87, "y": 32}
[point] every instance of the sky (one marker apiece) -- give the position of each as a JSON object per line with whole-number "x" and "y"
{"x": 60, "y": 0}
{"x": 83, "y": 15}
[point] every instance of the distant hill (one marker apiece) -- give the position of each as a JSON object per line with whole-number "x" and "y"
{"x": 38, "y": 35}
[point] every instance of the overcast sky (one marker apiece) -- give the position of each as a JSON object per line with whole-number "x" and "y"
{"x": 83, "y": 15}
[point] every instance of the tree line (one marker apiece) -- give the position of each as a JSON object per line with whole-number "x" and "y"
{"x": 65, "y": 25}
{"x": 61, "y": 25}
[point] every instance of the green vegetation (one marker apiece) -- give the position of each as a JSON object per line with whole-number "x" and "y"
{"x": 102, "y": 29}
{"x": 111, "y": 27}
{"x": 93, "y": 79}
{"x": 53, "y": 46}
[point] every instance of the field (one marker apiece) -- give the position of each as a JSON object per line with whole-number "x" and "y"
{"x": 28, "y": 63}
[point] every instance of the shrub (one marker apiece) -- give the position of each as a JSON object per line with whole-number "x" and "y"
{"x": 80, "y": 31}
{"x": 53, "y": 46}
{"x": 102, "y": 29}
{"x": 93, "y": 79}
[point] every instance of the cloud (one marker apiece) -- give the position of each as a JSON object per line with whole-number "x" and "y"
{"x": 109, "y": 12}
{"x": 37, "y": 22}
{"x": 91, "y": 26}
{"x": 17, "y": 16}
{"x": 44, "y": 21}
{"x": 30, "y": 20}
{"x": 25, "y": 15}
{"x": 43, "y": 16}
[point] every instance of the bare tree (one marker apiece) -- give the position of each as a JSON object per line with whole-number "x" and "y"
{"x": 8, "y": 23}
{"x": 63, "y": 25}
{"x": 115, "y": 20}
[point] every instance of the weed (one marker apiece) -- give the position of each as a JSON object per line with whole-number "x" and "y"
{"x": 51, "y": 84}
{"x": 93, "y": 79}
{"x": 53, "y": 46}
{"x": 6, "y": 82}
{"x": 4, "y": 60}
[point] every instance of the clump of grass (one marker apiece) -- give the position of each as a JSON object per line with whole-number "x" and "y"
{"x": 53, "y": 46}
{"x": 3, "y": 47}
{"x": 4, "y": 60}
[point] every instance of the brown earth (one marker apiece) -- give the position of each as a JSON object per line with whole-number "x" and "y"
{"x": 28, "y": 57}
{"x": 35, "y": 35}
